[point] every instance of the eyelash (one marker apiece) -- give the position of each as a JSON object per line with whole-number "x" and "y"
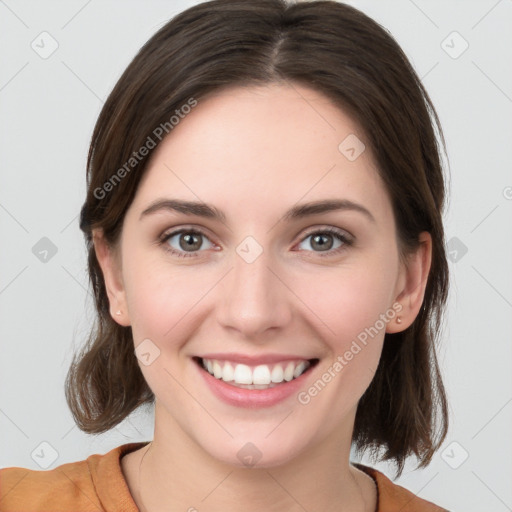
{"x": 347, "y": 242}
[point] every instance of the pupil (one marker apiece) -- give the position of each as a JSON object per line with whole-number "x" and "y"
{"x": 191, "y": 241}
{"x": 322, "y": 245}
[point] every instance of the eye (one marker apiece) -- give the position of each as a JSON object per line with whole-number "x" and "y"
{"x": 325, "y": 239}
{"x": 187, "y": 242}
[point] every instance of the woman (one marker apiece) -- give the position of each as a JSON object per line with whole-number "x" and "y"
{"x": 266, "y": 249}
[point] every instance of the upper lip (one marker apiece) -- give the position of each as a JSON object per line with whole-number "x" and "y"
{"x": 254, "y": 360}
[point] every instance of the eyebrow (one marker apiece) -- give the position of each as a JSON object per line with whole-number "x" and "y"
{"x": 297, "y": 212}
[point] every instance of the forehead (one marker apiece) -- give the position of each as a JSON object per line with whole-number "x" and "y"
{"x": 260, "y": 147}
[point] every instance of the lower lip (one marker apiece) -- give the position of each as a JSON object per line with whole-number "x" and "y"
{"x": 252, "y": 398}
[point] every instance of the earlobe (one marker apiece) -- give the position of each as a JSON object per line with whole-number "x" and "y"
{"x": 413, "y": 292}
{"x": 110, "y": 267}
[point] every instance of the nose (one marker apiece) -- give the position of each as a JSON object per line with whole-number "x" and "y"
{"x": 254, "y": 298}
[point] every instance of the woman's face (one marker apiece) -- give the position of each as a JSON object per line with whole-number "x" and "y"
{"x": 253, "y": 291}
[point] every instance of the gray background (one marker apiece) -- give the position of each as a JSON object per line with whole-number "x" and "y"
{"x": 48, "y": 107}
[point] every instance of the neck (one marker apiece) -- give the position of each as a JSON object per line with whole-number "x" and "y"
{"x": 175, "y": 473}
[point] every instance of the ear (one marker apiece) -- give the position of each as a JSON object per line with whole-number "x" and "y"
{"x": 110, "y": 263}
{"x": 412, "y": 284}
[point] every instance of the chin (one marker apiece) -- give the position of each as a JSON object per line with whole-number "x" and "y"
{"x": 256, "y": 450}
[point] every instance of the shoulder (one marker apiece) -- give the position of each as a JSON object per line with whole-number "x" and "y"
{"x": 72, "y": 486}
{"x": 393, "y": 497}
{"x": 64, "y": 486}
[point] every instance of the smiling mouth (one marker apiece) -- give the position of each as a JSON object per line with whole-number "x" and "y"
{"x": 262, "y": 376}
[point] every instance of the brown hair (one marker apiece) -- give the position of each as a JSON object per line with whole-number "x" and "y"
{"x": 344, "y": 54}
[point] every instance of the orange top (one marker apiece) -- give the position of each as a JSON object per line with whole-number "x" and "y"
{"x": 98, "y": 484}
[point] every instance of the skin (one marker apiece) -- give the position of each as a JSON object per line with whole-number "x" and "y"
{"x": 254, "y": 153}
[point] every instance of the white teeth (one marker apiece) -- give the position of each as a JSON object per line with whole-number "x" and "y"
{"x": 288, "y": 373}
{"x": 261, "y": 374}
{"x": 299, "y": 369}
{"x": 217, "y": 370}
{"x": 277, "y": 373}
{"x": 228, "y": 373}
{"x": 242, "y": 375}
{"x": 259, "y": 377}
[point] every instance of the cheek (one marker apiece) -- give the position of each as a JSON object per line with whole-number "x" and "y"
{"x": 349, "y": 305}
{"x": 347, "y": 302}
{"x": 164, "y": 304}
{"x": 164, "y": 300}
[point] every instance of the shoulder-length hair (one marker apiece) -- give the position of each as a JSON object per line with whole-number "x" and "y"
{"x": 352, "y": 60}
